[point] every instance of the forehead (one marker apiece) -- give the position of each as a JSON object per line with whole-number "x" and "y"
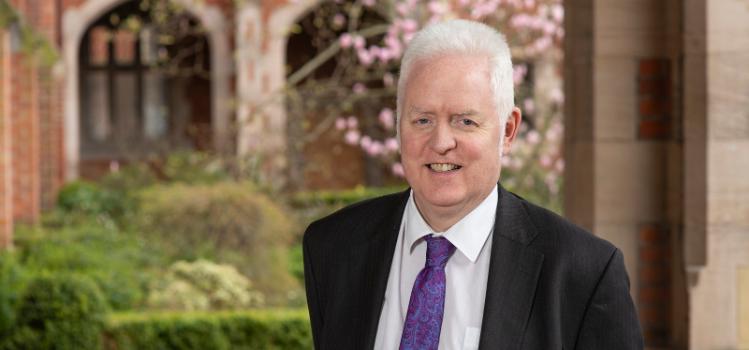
{"x": 453, "y": 79}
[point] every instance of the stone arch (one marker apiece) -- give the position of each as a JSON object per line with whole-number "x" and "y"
{"x": 75, "y": 22}
{"x": 261, "y": 44}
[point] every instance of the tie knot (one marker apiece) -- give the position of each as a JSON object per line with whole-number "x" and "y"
{"x": 439, "y": 249}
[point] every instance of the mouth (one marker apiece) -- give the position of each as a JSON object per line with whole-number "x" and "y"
{"x": 443, "y": 167}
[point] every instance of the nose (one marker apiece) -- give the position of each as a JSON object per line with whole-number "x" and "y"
{"x": 442, "y": 139}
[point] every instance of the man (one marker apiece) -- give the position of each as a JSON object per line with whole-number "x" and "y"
{"x": 457, "y": 262}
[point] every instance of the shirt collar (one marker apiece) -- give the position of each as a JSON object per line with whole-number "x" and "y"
{"x": 467, "y": 235}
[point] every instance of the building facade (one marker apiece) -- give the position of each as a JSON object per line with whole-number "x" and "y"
{"x": 656, "y": 143}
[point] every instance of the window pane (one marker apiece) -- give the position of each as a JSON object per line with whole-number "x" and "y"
{"x": 99, "y": 45}
{"x": 124, "y": 46}
{"x": 156, "y": 109}
{"x": 126, "y": 110}
{"x": 97, "y": 99}
{"x": 148, "y": 46}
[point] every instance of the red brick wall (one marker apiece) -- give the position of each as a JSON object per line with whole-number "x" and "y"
{"x": 654, "y": 276}
{"x": 25, "y": 138}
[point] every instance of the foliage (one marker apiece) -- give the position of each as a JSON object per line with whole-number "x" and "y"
{"x": 266, "y": 329}
{"x": 59, "y": 312}
{"x": 312, "y": 205}
{"x": 33, "y": 43}
{"x": 119, "y": 264}
{"x": 226, "y": 222}
{"x": 12, "y": 281}
{"x": 82, "y": 199}
{"x": 204, "y": 285}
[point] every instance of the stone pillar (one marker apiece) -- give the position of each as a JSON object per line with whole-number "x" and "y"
{"x": 6, "y": 155}
{"x": 716, "y": 166}
{"x": 618, "y": 127}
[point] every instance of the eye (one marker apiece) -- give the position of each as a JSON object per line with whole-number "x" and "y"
{"x": 467, "y": 122}
{"x": 421, "y": 121}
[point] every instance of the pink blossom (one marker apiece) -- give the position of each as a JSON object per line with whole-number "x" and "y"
{"x": 541, "y": 44}
{"x": 365, "y": 58}
{"x": 388, "y": 79}
{"x": 391, "y": 144}
{"x": 436, "y": 7}
{"x": 557, "y": 12}
{"x": 340, "y": 123}
{"x": 346, "y": 40}
{"x": 352, "y": 137}
{"x": 339, "y": 20}
{"x": 365, "y": 141}
{"x": 374, "y": 149}
{"x": 409, "y": 25}
{"x": 533, "y": 137}
{"x": 359, "y": 88}
{"x": 386, "y": 118}
{"x": 518, "y": 73}
{"x": 402, "y": 8}
{"x": 559, "y": 165}
{"x": 359, "y": 42}
{"x": 368, "y": 3}
{"x": 550, "y": 28}
{"x": 397, "y": 169}
{"x": 557, "y": 96}
{"x": 530, "y": 3}
{"x": 352, "y": 122}
{"x": 114, "y": 166}
{"x": 545, "y": 161}
{"x": 529, "y": 106}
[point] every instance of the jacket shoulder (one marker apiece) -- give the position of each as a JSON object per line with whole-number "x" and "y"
{"x": 564, "y": 237}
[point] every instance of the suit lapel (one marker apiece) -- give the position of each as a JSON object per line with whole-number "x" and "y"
{"x": 378, "y": 257}
{"x": 514, "y": 269}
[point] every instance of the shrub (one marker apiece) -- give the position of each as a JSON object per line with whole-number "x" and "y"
{"x": 226, "y": 222}
{"x": 312, "y": 205}
{"x": 59, "y": 312}
{"x": 119, "y": 264}
{"x": 11, "y": 284}
{"x": 204, "y": 285}
{"x": 88, "y": 199}
{"x": 267, "y": 329}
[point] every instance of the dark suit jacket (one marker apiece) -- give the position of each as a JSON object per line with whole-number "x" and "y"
{"x": 551, "y": 285}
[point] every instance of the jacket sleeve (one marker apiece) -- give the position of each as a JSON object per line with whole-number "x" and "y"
{"x": 610, "y": 320}
{"x": 311, "y": 287}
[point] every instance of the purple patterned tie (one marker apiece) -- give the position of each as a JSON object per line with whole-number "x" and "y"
{"x": 424, "y": 319}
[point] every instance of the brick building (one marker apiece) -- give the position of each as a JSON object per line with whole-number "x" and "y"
{"x": 657, "y": 131}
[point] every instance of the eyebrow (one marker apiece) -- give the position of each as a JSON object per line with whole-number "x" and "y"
{"x": 418, "y": 110}
{"x": 469, "y": 112}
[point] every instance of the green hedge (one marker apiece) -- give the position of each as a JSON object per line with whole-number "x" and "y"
{"x": 255, "y": 329}
{"x": 226, "y": 222}
{"x": 58, "y": 312}
{"x": 341, "y": 197}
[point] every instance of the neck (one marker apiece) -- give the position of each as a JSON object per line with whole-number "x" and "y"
{"x": 442, "y": 218}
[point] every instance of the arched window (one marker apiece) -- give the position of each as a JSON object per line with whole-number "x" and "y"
{"x": 144, "y": 84}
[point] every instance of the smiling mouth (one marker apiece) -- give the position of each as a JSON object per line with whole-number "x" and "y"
{"x": 443, "y": 167}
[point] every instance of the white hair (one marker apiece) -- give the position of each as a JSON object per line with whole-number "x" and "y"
{"x": 462, "y": 37}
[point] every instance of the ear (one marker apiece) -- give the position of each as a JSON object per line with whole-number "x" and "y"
{"x": 511, "y": 129}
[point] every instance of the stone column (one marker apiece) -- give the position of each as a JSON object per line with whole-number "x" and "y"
{"x": 6, "y": 154}
{"x": 618, "y": 130}
{"x": 716, "y": 154}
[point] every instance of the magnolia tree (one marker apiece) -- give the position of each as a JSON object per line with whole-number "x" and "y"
{"x": 350, "y": 80}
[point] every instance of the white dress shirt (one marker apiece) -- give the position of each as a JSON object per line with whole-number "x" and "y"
{"x": 466, "y": 272}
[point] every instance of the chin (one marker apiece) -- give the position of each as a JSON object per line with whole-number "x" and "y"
{"x": 443, "y": 198}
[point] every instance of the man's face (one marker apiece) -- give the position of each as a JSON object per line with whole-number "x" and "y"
{"x": 450, "y": 132}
